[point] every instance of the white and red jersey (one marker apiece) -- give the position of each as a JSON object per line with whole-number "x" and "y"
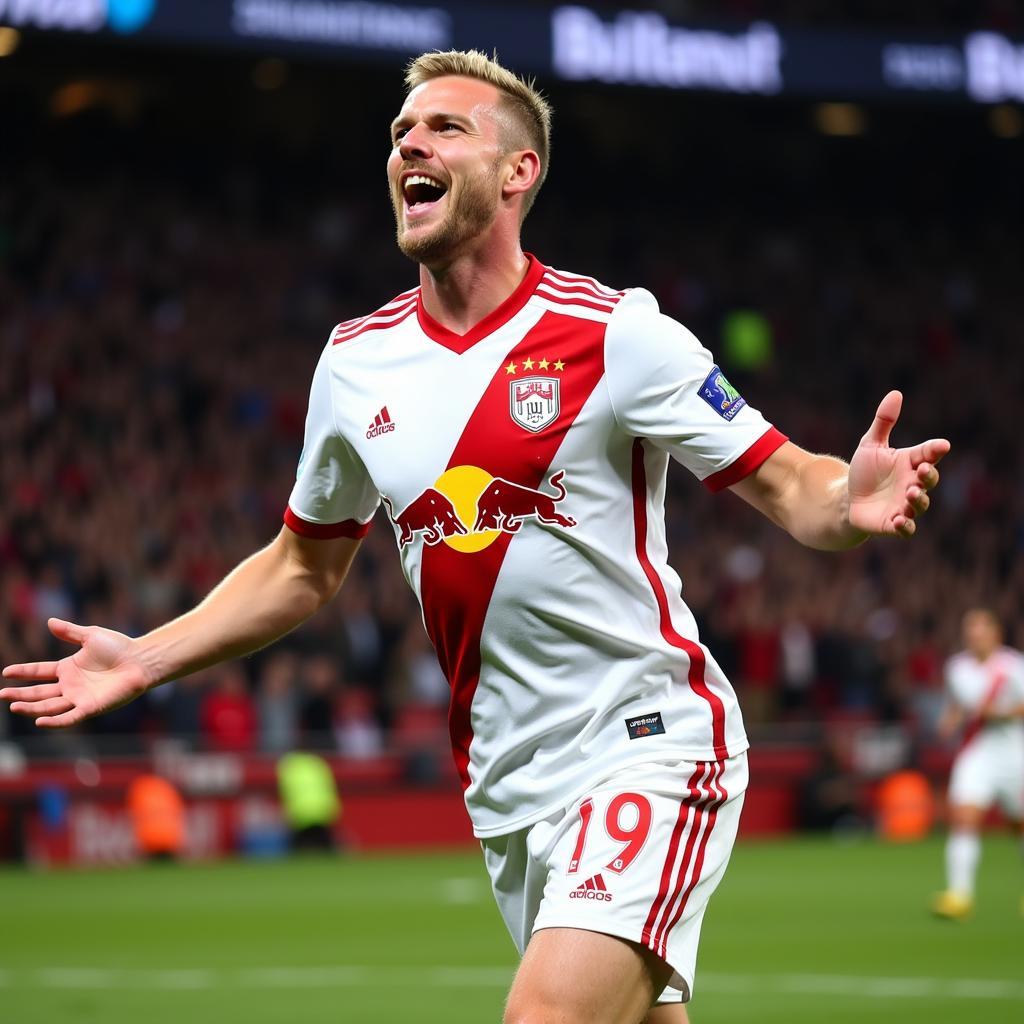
{"x": 523, "y": 466}
{"x": 995, "y": 685}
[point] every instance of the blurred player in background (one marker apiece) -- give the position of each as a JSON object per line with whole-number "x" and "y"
{"x": 985, "y": 686}
{"x": 504, "y": 407}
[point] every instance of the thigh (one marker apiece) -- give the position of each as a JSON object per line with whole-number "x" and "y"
{"x": 572, "y": 976}
{"x": 973, "y": 780}
{"x": 639, "y": 856}
{"x": 674, "y": 1013}
{"x": 1010, "y": 793}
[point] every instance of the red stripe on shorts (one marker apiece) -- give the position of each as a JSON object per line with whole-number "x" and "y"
{"x": 719, "y": 796}
{"x": 687, "y": 802}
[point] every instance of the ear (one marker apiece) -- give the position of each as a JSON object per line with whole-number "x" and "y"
{"x": 522, "y": 169}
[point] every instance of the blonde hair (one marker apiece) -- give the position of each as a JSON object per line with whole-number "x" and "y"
{"x": 519, "y": 97}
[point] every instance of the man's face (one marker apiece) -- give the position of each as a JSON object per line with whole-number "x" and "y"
{"x": 982, "y": 634}
{"x": 445, "y": 165}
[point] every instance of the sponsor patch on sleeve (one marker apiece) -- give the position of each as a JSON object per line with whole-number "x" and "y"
{"x": 645, "y": 725}
{"x": 721, "y": 395}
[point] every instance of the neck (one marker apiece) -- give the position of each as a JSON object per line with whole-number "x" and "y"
{"x": 459, "y": 294}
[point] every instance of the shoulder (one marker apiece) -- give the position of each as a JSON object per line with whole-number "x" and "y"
{"x": 639, "y": 330}
{"x": 578, "y": 295}
{"x": 958, "y": 664}
{"x": 1014, "y": 659}
{"x": 389, "y": 315}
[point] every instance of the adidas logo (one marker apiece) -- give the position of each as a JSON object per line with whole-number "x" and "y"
{"x": 381, "y": 424}
{"x": 592, "y": 889}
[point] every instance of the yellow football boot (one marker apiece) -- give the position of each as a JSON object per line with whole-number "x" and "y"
{"x": 953, "y": 906}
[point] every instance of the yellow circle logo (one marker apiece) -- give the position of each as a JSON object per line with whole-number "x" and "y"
{"x": 462, "y": 486}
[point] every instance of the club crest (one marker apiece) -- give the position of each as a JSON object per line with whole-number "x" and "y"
{"x": 534, "y": 402}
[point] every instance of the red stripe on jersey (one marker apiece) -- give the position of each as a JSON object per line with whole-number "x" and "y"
{"x": 398, "y": 300}
{"x": 352, "y": 325}
{"x": 576, "y": 288}
{"x": 715, "y": 798}
{"x": 459, "y": 343}
{"x": 456, "y": 586}
{"x": 325, "y": 531}
{"x": 566, "y": 288}
{"x": 767, "y": 444}
{"x": 695, "y": 675}
{"x": 686, "y": 804}
{"x": 977, "y": 721}
{"x": 375, "y": 323}
{"x": 580, "y": 279}
{"x": 564, "y": 300}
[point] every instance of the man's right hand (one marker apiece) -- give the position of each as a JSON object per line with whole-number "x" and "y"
{"x": 103, "y": 674}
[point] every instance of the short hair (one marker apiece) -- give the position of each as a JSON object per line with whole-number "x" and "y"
{"x": 519, "y": 95}
{"x": 988, "y": 612}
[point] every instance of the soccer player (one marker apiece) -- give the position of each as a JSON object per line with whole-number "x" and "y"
{"x": 517, "y": 422}
{"x": 985, "y": 686}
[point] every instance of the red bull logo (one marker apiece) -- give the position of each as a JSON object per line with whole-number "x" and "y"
{"x": 469, "y": 495}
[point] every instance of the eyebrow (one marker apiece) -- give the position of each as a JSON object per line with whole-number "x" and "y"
{"x": 437, "y": 115}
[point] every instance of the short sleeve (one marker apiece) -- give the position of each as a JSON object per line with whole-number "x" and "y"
{"x": 1017, "y": 676}
{"x": 666, "y": 387}
{"x": 333, "y": 494}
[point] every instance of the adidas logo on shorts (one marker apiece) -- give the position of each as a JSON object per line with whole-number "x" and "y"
{"x": 592, "y": 889}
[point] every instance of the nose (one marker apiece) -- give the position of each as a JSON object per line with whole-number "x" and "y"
{"x": 415, "y": 142}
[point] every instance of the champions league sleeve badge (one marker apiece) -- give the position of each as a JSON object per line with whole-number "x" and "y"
{"x": 721, "y": 395}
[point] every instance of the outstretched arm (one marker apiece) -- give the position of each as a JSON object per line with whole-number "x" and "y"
{"x": 952, "y": 718}
{"x": 827, "y": 504}
{"x": 263, "y": 598}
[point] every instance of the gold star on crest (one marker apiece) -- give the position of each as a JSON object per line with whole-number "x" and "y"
{"x": 527, "y": 364}
{"x": 543, "y": 364}
{"x": 511, "y": 368}
{"x": 559, "y": 365}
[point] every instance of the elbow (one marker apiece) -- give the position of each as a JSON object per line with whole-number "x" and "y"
{"x": 324, "y": 586}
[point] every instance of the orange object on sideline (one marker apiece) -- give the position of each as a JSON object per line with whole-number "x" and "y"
{"x": 905, "y": 806}
{"x": 157, "y": 812}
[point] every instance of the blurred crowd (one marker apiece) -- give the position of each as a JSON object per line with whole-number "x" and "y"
{"x": 158, "y": 340}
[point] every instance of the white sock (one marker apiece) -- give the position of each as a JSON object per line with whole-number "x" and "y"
{"x": 962, "y": 852}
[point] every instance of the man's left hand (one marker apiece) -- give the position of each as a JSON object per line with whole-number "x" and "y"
{"x": 888, "y": 487}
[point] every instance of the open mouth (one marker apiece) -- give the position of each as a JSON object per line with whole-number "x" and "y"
{"x": 421, "y": 192}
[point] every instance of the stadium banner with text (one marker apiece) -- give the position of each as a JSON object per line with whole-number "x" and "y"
{"x": 574, "y": 42}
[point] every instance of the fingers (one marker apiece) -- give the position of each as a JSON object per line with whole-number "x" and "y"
{"x": 62, "y": 721}
{"x": 904, "y": 525}
{"x": 927, "y": 476}
{"x": 38, "y": 708}
{"x": 30, "y": 693}
{"x": 32, "y": 670}
{"x": 70, "y": 631}
{"x": 930, "y": 452}
{"x": 918, "y": 499}
{"x": 887, "y": 414}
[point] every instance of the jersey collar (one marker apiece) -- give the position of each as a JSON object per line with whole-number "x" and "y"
{"x": 460, "y": 343}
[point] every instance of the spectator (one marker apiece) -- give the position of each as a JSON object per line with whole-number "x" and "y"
{"x": 228, "y": 715}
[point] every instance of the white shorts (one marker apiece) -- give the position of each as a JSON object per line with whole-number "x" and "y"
{"x": 638, "y": 857}
{"x": 985, "y": 774}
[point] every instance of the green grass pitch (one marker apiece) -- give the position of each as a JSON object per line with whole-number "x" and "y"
{"x": 800, "y": 931}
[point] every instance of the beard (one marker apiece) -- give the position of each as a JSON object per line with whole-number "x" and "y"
{"x": 470, "y": 210}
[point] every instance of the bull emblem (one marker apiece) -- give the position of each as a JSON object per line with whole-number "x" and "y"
{"x": 504, "y": 505}
{"x": 431, "y": 514}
